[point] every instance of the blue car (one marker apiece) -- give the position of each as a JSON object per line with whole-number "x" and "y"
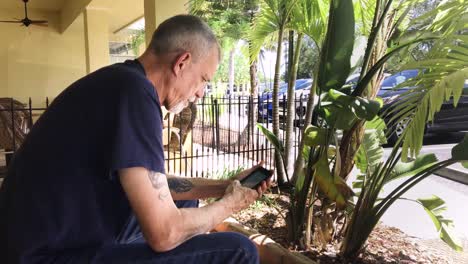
{"x": 265, "y": 102}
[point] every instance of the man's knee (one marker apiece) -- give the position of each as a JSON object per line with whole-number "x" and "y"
{"x": 242, "y": 243}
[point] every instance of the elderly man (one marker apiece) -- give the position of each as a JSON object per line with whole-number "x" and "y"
{"x": 88, "y": 184}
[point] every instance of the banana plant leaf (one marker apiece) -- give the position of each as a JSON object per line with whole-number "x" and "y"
{"x": 341, "y": 110}
{"x": 409, "y": 169}
{"x": 335, "y": 188}
{"x": 370, "y": 153}
{"x": 377, "y": 123}
{"x": 337, "y": 48}
{"x": 434, "y": 207}
{"x": 315, "y": 136}
{"x": 272, "y": 138}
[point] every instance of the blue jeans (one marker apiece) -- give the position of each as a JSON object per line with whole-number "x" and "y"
{"x": 223, "y": 248}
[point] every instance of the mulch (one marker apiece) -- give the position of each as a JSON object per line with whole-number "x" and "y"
{"x": 385, "y": 245}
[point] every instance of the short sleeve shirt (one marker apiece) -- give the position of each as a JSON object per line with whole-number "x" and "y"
{"x": 62, "y": 191}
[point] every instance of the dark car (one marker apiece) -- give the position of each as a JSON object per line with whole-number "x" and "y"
{"x": 449, "y": 119}
{"x": 265, "y": 102}
{"x": 301, "y": 98}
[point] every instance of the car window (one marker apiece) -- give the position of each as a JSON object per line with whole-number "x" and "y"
{"x": 394, "y": 80}
{"x": 353, "y": 80}
{"x": 303, "y": 85}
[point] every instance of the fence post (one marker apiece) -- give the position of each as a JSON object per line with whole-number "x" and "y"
{"x": 212, "y": 118}
{"x": 216, "y": 107}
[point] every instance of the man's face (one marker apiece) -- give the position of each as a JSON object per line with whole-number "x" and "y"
{"x": 191, "y": 82}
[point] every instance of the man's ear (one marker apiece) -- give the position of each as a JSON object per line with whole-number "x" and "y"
{"x": 181, "y": 62}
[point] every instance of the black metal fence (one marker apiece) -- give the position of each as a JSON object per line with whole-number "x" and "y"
{"x": 204, "y": 140}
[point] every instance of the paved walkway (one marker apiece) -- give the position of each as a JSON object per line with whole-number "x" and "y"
{"x": 411, "y": 218}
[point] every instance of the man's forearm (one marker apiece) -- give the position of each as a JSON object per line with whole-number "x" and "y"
{"x": 195, "y": 221}
{"x": 196, "y": 188}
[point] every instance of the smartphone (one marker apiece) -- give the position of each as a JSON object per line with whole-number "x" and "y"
{"x": 254, "y": 179}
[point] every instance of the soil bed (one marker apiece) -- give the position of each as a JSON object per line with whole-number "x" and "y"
{"x": 385, "y": 244}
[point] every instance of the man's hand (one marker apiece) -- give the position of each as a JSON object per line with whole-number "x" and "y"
{"x": 263, "y": 186}
{"x": 238, "y": 197}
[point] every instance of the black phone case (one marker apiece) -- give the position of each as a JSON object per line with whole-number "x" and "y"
{"x": 265, "y": 173}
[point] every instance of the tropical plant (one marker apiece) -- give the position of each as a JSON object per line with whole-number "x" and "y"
{"x": 370, "y": 207}
{"x": 328, "y": 161}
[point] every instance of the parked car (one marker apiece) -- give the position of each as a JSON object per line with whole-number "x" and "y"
{"x": 449, "y": 119}
{"x": 265, "y": 103}
{"x": 301, "y": 97}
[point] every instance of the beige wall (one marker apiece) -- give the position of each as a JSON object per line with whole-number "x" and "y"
{"x": 38, "y": 62}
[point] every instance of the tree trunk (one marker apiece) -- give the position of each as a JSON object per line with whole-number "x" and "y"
{"x": 278, "y": 159}
{"x": 252, "y": 112}
{"x": 291, "y": 113}
{"x": 299, "y": 164}
{"x": 231, "y": 69}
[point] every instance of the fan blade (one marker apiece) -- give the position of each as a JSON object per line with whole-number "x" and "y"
{"x": 38, "y": 21}
{"x": 39, "y": 24}
{"x": 10, "y": 21}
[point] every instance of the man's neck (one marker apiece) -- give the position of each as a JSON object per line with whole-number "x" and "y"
{"x": 154, "y": 70}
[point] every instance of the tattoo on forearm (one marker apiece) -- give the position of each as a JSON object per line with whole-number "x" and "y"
{"x": 156, "y": 178}
{"x": 163, "y": 195}
{"x": 179, "y": 185}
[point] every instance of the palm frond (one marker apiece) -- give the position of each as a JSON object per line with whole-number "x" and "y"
{"x": 364, "y": 12}
{"x": 310, "y": 18}
{"x": 273, "y": 15}
{"x": 443, "y": 81}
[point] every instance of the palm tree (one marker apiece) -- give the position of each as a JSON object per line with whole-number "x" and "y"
{"x": 273, "y": 18}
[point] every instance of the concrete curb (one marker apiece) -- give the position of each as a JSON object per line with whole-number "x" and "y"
{"x": 453, "y": 174}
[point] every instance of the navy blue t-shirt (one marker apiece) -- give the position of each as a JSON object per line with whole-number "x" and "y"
{"x": 62, "y": 192}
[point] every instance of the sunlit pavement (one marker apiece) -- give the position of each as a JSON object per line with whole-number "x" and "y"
{"x": 412, "y": 219}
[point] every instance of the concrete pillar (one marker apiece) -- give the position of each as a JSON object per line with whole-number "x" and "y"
{"x": 96, "y": 25}
{"x": 156, "y": 11}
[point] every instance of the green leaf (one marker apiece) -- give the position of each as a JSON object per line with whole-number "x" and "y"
{"x": 310, "y": 18}
{"x": 409, "y": 169}
{"x": 300, "y": 180}
{"x": 442, "y": 80}
{"x": 336, "y": 53}
{"x": 460, "y": 151}
{"x": 376, "y": 123}
{"x": 341, "y": 110}
{"x": 315, "y": 136}
{"x": 434, "y": 207}
{"x": 359, "y": 182}
{"x": 370, "y": 153}
{"x": 333, "y": 187}
{"x": 272, "y": 138}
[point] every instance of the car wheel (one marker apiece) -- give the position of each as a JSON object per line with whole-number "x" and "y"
{"x": 398, "y": 131}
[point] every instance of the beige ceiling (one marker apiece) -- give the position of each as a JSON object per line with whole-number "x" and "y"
{"x": 121, "y": 12}
{"x": 52, "y": 5}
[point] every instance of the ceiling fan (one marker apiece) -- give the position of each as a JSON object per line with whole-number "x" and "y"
{"x": 26, "y": 21}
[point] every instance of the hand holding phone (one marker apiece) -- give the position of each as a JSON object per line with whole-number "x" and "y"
{"x": 254, "y": 179}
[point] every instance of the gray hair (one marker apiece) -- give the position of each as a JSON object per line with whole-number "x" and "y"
{"x": 183, "y": 33}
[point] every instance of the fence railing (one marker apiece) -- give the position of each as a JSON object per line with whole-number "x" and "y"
{"x": 204, "y": 140}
